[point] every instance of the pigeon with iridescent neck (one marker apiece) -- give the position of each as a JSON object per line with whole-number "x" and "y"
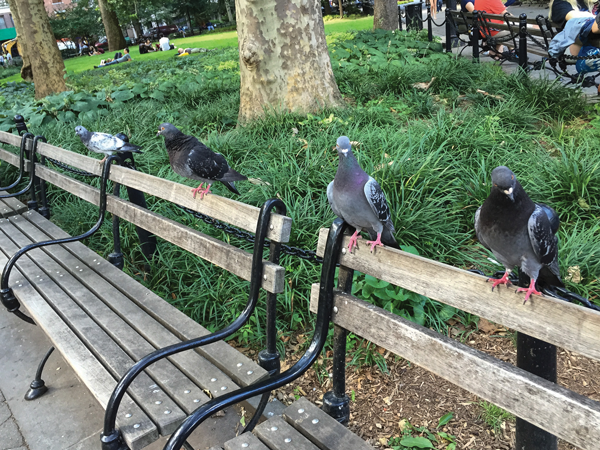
{"x": 357, "y": 198}
{"x": 519, "y": 232}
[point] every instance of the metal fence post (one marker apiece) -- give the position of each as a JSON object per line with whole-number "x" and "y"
{"x": 399, "y": 18}
{"x": 335, "y": 402}
{"x": 475, "y": 38}
{"x": 539, "y": 358}
{"x": 448, "y": 31}
{"x": 523, "y": 41}
{"x": 429, "y": 24}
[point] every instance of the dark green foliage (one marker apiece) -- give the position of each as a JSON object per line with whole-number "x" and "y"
{"x": 431, "y": 150}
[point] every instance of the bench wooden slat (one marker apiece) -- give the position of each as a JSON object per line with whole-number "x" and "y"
{"x": 251, "y": 441}
{"x": 12, "y": 158}
{"x": 564, "y": 413}
{"x": 563, "y": 324}
{"x": 275, "y": 431}
{"x": 99, "y": 343}
{"x": 323, "y": 430}
{"x": 221, "y": 208}
{"x": 513, "y": 19}
{"x": 86, "y": 366}
{"x": 221, "y": 354}
{"x": 10, "y": 206}
{"x": 224, "y": 255}
{"x": 71, "y": 274}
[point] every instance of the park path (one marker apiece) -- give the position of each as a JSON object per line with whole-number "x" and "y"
{"x": 10, "y": 434}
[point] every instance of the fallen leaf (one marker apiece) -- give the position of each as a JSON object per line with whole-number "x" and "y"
{"x": 573, "y": 274}
{"x": 403, "y": 424}
{"x": 487, "y": 327}
{"x": 423, "y": 86}
{"x": 497, "y": 97}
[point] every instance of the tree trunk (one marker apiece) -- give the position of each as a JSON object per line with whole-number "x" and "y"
{"x": 26, "y": 73}
{"x": 47, "y": 64}
{"x": 137, "y": 26}
{"x": 385, "y": 15}
{"x": 116, "y": 41}
{"x": 327, "y": 7}
{"x": 189, "y": 21}
{"x": 341, "y": 9}
{"x": 284, "y": 63}
{"x": 228, "y": 8}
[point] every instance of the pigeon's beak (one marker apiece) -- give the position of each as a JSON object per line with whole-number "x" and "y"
{"x": 158, "y": 134}
{"x": 509, "y": 193}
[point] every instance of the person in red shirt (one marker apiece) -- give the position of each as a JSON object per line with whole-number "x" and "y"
{"x": 493, "y": 7}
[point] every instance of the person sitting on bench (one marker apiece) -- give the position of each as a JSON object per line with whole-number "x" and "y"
{"x": 493, "y": 7}
{"x": 580, "y": 32}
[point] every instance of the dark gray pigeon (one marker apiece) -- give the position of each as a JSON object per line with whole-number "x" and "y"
{"x": 104, "y": 143}
{"x": 357, "y": 198}
{"x": 519, "y": 232}
{"x": 192, "y": 159}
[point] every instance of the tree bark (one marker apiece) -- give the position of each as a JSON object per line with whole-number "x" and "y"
{"x": 341, "y": 9}
{"x": 327, "y": 6}
{"x": 284, "y": 63}
{"x": 116, "y": 41}
{"x": 385, "y": 15}
{"x": 26, "y": 73}
{"x": 46, "y": 64}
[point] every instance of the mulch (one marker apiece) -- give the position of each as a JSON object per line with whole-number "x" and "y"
{"x": 383, "y": 403}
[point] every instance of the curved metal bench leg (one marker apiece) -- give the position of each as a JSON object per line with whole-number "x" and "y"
{"x": 38, "y": 387}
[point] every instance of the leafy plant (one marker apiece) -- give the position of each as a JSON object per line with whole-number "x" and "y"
{"x": 414, "y": 438}
{"x": 494, "y": 416}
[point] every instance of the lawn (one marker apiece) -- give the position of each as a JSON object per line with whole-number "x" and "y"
{"x": 209, "y": 40}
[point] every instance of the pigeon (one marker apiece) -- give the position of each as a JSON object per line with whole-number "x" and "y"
{"x": 192, "y": 159}
{"x": 357, "y": 198}
{"x": 519, "y": 232}
{"x": 104, "y": 143}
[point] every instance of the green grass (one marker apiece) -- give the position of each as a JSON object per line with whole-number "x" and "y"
{"x": 494, "y": 416}
{"x": 209, "y": 40}
{"x": 432, "y": 152}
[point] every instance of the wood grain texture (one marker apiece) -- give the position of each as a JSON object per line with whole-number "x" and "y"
{"x": 233, "y": 259}
{"x": 86, "y": 366}
{"x": 11, "y": 158}
{"x": 10, "y": 206}
{"x": 321, "y": 429}
{"x": 279, "y": 435}
{"x": 10, "y": 139}
{"x": 251, "y": 441}
{"x": 112, "y": 357}
{"x": 231, "y": 211}
{"x": 562, "y": 412}
{"x": 563, "y": 324}
{"x": 234, "y": 364}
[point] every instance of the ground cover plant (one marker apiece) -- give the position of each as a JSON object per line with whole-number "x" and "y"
{"x": 423, "y": 130}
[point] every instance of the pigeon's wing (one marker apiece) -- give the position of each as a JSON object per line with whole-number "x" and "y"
{"x": 478, "y": 229}
{"x": 376, "y": 199}
{"x": 552, "y": 216}
{"x": 207, "y": 165}
{"x": 104, "y": 142}
{"x": 332, "y": 201}
{"x": 543, "y": 240}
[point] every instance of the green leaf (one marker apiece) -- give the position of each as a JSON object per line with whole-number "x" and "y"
{"x": 122, "y": 96}
{"x": 419, "y": 314}
{"x": 157, "y": 95}
{"x": 372, "y": 281}
{"x": 419, "y": 442}
{"x": 36, "y": 119}
{"x": 410, "y": 249}
{"x": 139, "y": 89}
{"x": 167, "y": 86}
{"x": 445, "y": 419}
{"x": 81, "y": 106}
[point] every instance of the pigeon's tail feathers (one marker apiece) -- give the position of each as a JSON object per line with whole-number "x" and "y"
{"x": 549, "y": 276}
{"x": 232, "y": 175}
{"x": 231, "y": 186}
{"x": 131, "y": 148}
{"x": 388, "y": 239}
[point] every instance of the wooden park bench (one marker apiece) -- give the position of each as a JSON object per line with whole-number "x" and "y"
{"x": 103, "y": 322}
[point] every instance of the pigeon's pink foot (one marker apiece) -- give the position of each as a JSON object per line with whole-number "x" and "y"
{"x": 503, "y": 280}
{"x": 528, "y": 291}
{"x": 102, "y": 160}
{"x": 202, "y": 191}
{"x": 375, "y": 243}
{"x": 353, "y": 241}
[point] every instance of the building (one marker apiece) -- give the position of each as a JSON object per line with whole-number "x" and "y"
{"x": 53, "y": 6}
{"x": 7, "y": 27}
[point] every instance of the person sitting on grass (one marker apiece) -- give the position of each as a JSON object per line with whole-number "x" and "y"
{"x": 164, "y": 43}
{"x": 189, "y": 51}
{"x": 124, "y": 58}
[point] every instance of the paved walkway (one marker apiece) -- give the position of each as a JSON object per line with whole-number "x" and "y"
{"x": 10, "y": 435}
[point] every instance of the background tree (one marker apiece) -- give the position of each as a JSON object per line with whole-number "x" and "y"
{"x": 39, "y": 45}
{"x": 114, "y": 34}
{"x": 79, "y": 21}
{"x": 26, "y": 73}
{"x": 385, "y": 15}
{"x": 284, "y": 63}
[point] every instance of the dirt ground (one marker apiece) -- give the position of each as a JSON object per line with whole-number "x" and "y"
{"x": 383, "y": 403}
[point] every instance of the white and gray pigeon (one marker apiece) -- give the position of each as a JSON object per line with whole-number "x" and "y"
{"x": 357, "y": 198}
{"x": 519, "y": 232}
{"x": 192, "y": 159}
{"x": 104, "y": 143}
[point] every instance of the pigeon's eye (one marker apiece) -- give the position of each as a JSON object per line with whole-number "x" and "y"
{"x": 495, "y": 185}
{"x": 162, "y": 128}
{"x": 512, "y": 177}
